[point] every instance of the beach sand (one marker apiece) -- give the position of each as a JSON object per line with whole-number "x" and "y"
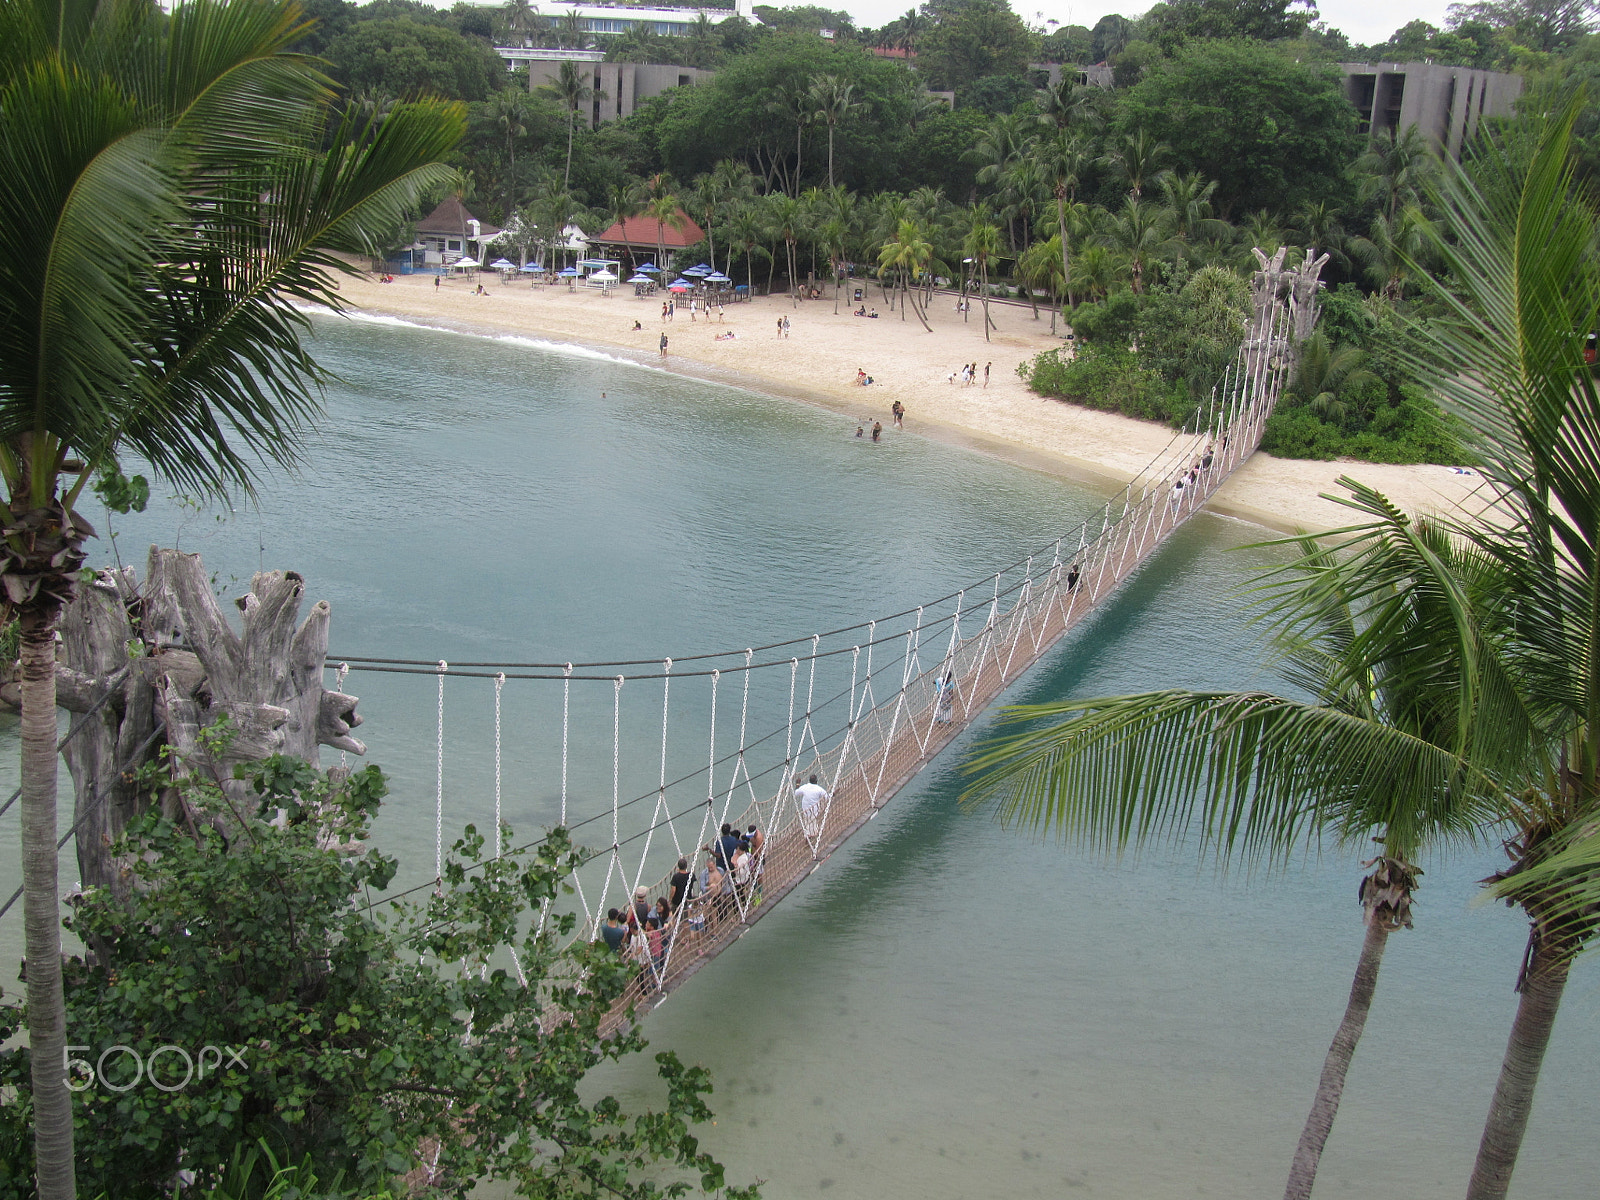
{"x": 818, "y": 361}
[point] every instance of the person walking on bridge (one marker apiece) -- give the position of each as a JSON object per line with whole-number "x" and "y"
{"x": 812, "y": 798}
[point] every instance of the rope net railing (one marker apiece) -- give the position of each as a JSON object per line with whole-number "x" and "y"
{"x": 800, "y": 743}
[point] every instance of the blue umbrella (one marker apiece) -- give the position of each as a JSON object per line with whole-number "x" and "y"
{"x": 698, "y": 271}
{"x": 568, "y": 273}
{"x": 529, "y": 268}
{"x": 703, "y": 267}
{"x": 650, "y": 267}
{"x": 717, "y": 277}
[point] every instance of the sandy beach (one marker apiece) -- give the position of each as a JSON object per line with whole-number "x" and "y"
{"x": 817, "y": 362}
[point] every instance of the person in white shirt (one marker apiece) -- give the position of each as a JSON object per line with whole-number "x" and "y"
{"x": 811, "y": 797}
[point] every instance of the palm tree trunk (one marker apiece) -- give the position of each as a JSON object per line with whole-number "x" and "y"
{"x": 830, "y": 154}
{"x": 572, "y": 121}
{"x": 1303, "y": 1171}
{"x": 984, "y": 267}
{"x": 47, "y": 1022}
{"x": 1542, "y": 986}
{"x": 918, "y": 311}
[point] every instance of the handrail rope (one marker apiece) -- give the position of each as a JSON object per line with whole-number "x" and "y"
{"x": 438, "y": 807}
{"x": 1233, "y": 450}
{"x": 1149, "y": 469}
{"x": 112, "y": 684}
{"x": 97, "y": 800}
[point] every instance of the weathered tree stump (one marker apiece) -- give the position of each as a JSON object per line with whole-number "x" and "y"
{"x": 185, "y": 669}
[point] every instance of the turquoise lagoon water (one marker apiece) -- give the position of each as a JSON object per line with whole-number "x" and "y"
{"x": 946, "y": 1009}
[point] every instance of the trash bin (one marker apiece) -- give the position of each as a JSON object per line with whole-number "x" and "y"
{"x": 860, "y": 295}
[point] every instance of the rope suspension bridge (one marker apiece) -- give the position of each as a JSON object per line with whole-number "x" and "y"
{"x": 857, "y": 712}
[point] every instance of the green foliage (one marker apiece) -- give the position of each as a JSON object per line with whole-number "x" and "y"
{"x": 995, "y": 94}
{"x": 406, "y": 57}
{"x": 1178, "y": 21}
{"x": 1109, "y": 378}
{"x": 1190, "y": 333}
{"x": 119, "y": 493}
{"x": 981, "y": 37}
{"x": 361, "y": 1033}
{"x": 1113, "y": 321}
{"x": 1272, "y": 132}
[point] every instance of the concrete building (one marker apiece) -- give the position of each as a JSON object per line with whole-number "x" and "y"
{"x": 1445, "y": 103}
{"x": 618, "y": 87}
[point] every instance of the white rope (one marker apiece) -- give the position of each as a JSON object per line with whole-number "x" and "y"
{"x": 499, "y": 838}
{"x": 338, "y": 686}
{"x": 438, "y": 797}
{"x": 661, "y": 788}
{"x": 566, "y": 708}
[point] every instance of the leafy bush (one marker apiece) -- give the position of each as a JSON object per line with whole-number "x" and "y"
{"x": 1108, "y": 378}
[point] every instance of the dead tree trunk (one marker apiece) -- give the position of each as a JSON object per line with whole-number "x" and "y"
{"x": 187, "y": 669}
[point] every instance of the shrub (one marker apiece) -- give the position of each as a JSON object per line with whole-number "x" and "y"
{"x": 1108, "y": 378}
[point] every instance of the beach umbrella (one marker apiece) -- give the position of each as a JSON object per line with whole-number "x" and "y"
{"x": 465, "y": 262}
{"x": 530, "y": 268}
{"x": 503, "y": 264}
{"x": 641, "y": 279}
{"x": 650, "y": 267}
{"x": 703, "y": 268}
{"x": 717, "y": 277}
{"x": 679, "y": 285}
{"x": 604, "y": 277}
{"x": 568, "y": 273}
{"x": 697, "y": 271}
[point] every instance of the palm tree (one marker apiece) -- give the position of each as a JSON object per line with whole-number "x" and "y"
{"x": 182, "y": 172}
{"x": 522, "y": 20}
{"x": 572, "y": 89}
{"x": 664, "y": 210}
{"x": 1067, "y": 105}
{"x": 834, "y": 100}
{"x": 911, "y": 25}
{"x": 1041, "y": 267}
{"x": 1188, "y": 202}
{"x": 907, "y": 255}
{"x": 745, "y": 230}
{"x": 1525, "y": 289}
{"x": 982, "y": 244}
{"x": 786, "y": 215}
{"x": 622, "y": 202}
{"x": 1322, "y": 373}
{"x": 1137, "y": 156}
{"x": 508, "y": 109}
{"x": 1397, "y": 169}
{"x": 1143, "y": 233}
{"x": 573, "y": 32}
{"x": 1395, "y": 251}
{"x": 1064, "y": 158}
{"x": 1385, "y": 749}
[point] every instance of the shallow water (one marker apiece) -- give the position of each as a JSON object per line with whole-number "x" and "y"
{"x": 947, "y": 1009}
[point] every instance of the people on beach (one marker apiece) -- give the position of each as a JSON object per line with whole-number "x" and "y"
{"x": 663, "y": 345}
{"x": 663, "y": 312}
{"x": 784, "y": 322}
{"x": 637, "y": 326}
{"x": 877, "y": 431}
{"x": 899, "y": 412}
{"x": 436, "y": 282}
{"x": 811, "y": 797}
{"x": 480, "y": 291}
{"x": 725, "y": 337}
{"x": 986, "y": 367}
{"x": 861, "y": 427}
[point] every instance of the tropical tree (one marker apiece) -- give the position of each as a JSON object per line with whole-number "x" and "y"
{"x": 834, "y": 100}
{"x": 664, "y": 210}
{"x": 1322, "y": 374}
{"x": 1396, "y": 169}
{"x": 982, "y": 245}
{"x": 1041, "y": 267}
{"x": 572, "y": 89}
{"x": 911, "y": 25}
{"x": 1143, "y": 234}
{"x": 173, "y": 188}
{"x": 508, "y": 109}
{"x": 1138, "y": 155}
{"x": 908, "y": 255}
{"x": 1518, "y": 245}
{"x": 522, "y": 20}
{"x": 622, "y": 202}
{"x": 1386, "y": 748}
{"x": 746, "y": 231}
{"x": 1396, "y": 252}
{"x": 1064, "y": 159}
{"x": 786, "y": 216}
